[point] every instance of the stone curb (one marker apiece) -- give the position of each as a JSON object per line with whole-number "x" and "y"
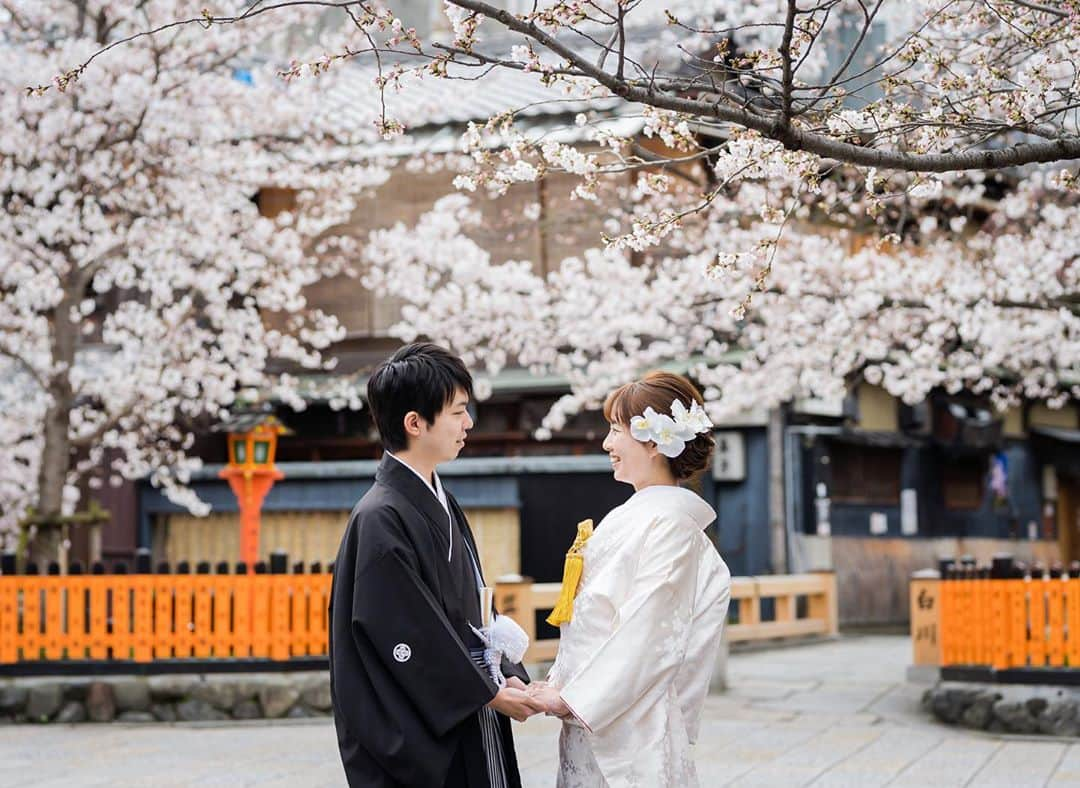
{"x": 1031, "y": 711}
{"x": 194, "y": 698}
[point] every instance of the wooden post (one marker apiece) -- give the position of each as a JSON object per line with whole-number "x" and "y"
{"x": 750, "y": 609}
{"x": 1018, "y": 622}
{"x": 260, "y": 611}
{"x": 98, "y": 593}
{"x": 926, "y": 618}
{"x": 9, "y": 609}
{"x": 1072, "y": 606}
{"x": 243, "y": 606}
{"x": 279, "y": 605}
{"x": 143, "y": 607}
{"x": 202, "y": 611}
{"x": 52, "y": 615}
{"x": 76, "y": 612}
{"x": 183, "y": 637}
{"x": 826, "y": 605}
{"x": 163, "y": 613}
{"x": 514, "y": 599}
{"x": 1036, "y": 587}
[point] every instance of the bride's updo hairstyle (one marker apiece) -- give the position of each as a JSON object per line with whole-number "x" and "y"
{"x": 657, "y": 390}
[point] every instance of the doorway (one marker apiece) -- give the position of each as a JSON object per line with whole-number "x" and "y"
{"x": 1068, "y": 517}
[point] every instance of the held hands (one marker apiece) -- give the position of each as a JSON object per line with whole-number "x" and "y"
{"x": 547, "y": 697}
{"x": 514, "y": 701}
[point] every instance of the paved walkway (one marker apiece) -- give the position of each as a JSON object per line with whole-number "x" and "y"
{"x": 829, "y": 714}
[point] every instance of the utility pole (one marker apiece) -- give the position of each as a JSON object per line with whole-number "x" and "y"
{"x": 777, "y": 510}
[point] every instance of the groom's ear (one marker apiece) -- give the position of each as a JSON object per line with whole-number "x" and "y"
{"x": 412, "y": 423}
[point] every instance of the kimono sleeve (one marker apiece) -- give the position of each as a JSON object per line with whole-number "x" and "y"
{"x": 646, "y": 647}
{"x": 403, "y": 623}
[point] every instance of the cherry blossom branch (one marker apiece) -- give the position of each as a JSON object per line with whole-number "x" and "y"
{"x": 785, "y": 57}
{"x": 25, "y": 365}
{"x": 1065, "y": 148}
{"x": 1042, "y": 9}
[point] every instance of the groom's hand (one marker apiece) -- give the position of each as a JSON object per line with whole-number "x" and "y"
{"x": 515, "y": 703}
{"x": 516, "y": 683}
{"x": 549, "y": 700}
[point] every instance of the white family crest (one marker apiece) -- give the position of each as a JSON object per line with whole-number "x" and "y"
{"x": 402, "y": 652}
{"x": 671, "y": 433}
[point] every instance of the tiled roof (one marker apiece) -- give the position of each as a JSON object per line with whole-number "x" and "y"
{"x": 468, "y": 95}
{"x": 436, "y": 110}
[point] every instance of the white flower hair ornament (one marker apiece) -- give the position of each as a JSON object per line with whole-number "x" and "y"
{"x": 671, "y": 433}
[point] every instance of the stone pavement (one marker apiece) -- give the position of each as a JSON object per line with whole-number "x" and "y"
{"x": 826, "y": 714}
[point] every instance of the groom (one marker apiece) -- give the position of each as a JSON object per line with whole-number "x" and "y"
{"x": 412, "y": 704}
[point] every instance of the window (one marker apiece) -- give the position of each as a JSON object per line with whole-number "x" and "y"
{"x": 962, "y": 483}
{"x": 273, "y": 200}
{"x": 865, "y": 474}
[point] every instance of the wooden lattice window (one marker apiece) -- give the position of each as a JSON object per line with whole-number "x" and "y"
{"x": 963, "y": 483}
{"x": 865, "y": 474}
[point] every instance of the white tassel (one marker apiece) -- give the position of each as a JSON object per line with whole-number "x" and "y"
{"x": 494, "y": 663}
{"x": 509, "y": 638}
{"x": 503, "y": 638}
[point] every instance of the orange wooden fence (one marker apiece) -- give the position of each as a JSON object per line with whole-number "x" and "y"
{"x": 1014, "y": 623}
{"x": 148, "y": 617}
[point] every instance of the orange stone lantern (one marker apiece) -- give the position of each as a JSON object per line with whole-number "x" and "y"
{"x": 251, "y": 473}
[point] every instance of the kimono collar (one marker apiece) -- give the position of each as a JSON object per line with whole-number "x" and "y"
{"x": 437, "y": 490}
{"x": 394, "y": 473}
{"x": 685, "y": 501}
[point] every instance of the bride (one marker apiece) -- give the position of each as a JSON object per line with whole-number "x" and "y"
{"x": 638, "y": 646}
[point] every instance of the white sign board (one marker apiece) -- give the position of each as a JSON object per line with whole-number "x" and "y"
{"x": 909, "y": 512}
{"x": 729, "y": 461}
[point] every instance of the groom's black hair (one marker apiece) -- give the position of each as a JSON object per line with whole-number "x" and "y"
{"x": 422, "y": 377}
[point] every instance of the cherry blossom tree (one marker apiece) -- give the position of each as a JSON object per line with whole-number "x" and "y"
{"x": 819, "y": 191}
{"x": 994, "y": 311}
{"x": 838, "y": 190}
{"x": 141, "y": 291}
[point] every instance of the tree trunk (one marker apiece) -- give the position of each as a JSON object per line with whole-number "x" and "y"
{"x": 56, "y": 453}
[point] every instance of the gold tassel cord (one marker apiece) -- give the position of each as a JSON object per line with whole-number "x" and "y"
{"x": 572, "y": 569}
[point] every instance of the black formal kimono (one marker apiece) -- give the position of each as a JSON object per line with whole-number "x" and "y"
{"x": 406, "y": 689}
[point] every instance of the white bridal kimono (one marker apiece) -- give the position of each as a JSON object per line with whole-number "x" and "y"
{"x": 635, "y": 661}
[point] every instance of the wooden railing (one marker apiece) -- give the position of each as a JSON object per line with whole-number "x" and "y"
{"x": 819, "y": 589}
{"x": 526, "y": 602}
{"x": 146, "y": 617}
{"x": 998, "y": 622}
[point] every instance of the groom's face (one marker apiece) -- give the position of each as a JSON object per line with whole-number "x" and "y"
{"x": 443, "y": 439}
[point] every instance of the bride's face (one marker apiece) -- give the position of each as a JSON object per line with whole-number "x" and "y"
{"x": 632, "y": 461}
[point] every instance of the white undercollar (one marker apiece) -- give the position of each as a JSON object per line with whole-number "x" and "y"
{"x": 440, "y": 496}
{"x": 436, "y": 490}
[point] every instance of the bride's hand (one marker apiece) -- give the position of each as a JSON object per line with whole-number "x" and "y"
{"x": 548, "y": 697}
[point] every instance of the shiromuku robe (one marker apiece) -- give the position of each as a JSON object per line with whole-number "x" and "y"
{"x": 408, "y": 694}
{"x": 635, "y": 661}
